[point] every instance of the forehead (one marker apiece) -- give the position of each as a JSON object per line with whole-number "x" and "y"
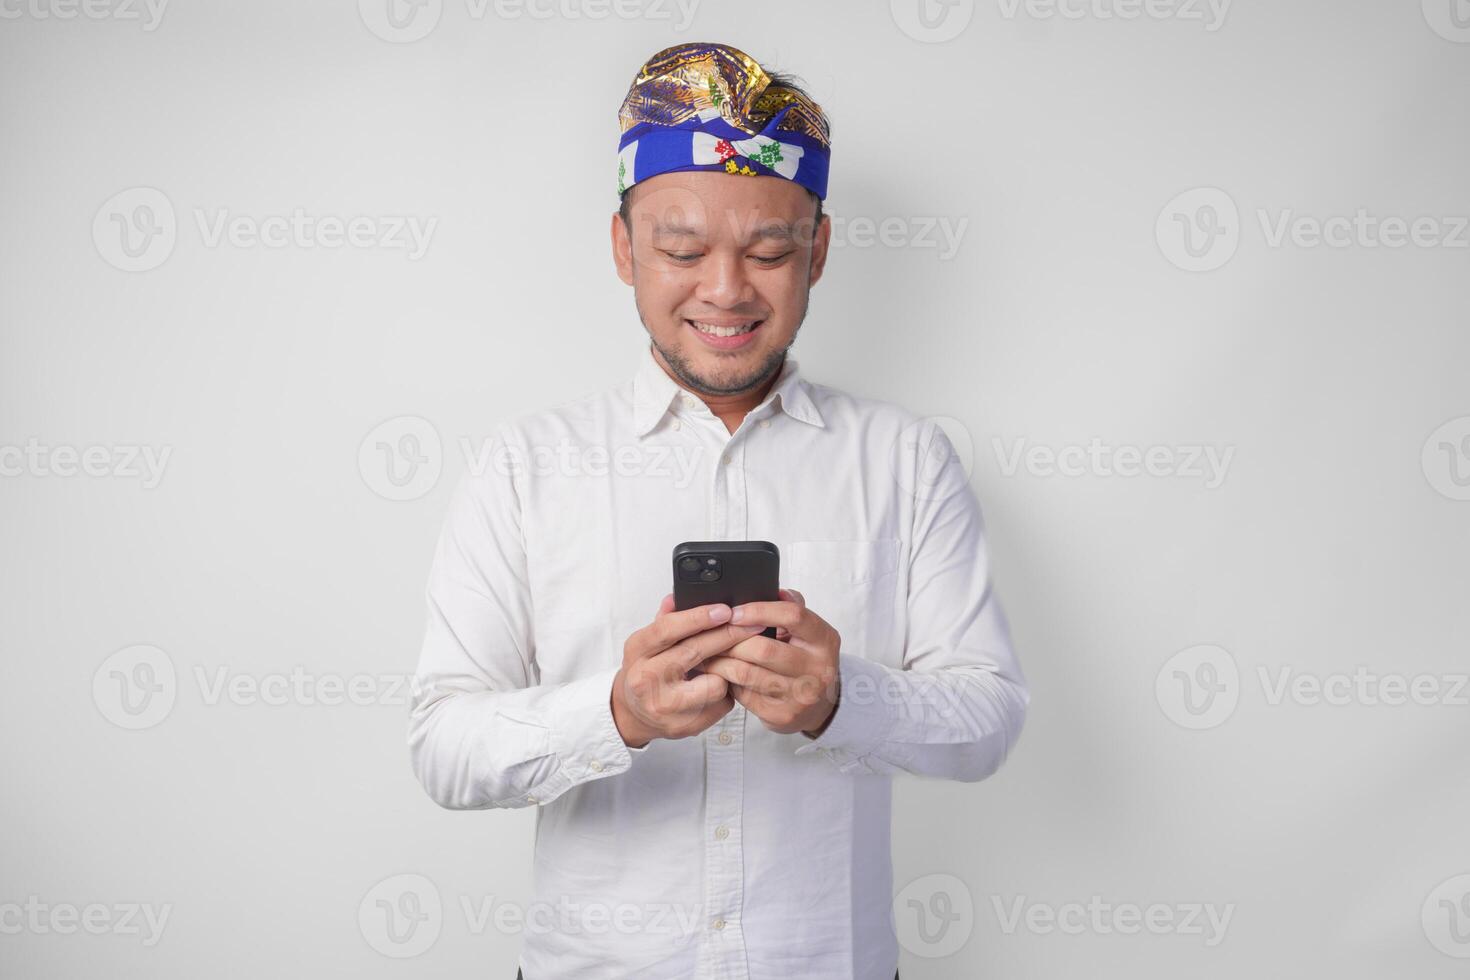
{"x": 713, "y": 205}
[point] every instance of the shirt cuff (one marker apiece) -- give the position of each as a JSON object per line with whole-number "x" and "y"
{"x": 584, "y": 737}
{"x": 861, "y": 721}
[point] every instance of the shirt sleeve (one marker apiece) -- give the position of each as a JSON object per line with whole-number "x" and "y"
{"x": 483, "y": 732}
{"x": 957, "y": 706}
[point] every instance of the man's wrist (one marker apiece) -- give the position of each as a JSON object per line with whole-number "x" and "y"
{"x": 831, "y": 711}
{"x": 632, "y": 734}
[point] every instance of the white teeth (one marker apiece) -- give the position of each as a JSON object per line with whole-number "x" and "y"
{"x": 710, "y": 328}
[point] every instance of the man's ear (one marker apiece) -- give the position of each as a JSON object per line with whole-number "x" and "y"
{"x": 622, "y": 248}
{"x": 820, "y": 241}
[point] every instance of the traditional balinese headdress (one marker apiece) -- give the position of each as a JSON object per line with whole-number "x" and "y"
{"x": 702, "y": 106}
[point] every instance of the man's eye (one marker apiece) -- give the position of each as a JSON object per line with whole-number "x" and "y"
{"x": 770, "y": 259}
{"x": 682, "y": 258}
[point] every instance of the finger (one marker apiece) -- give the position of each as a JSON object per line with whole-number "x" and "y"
{"x": 754, "y": 702}
{"x": 700, "y": 693}
{"x": 749, "y": 676}
{"x": 689, "y": 653}
{"x": 783, "y": 613}
{"x": 666, "y": 606}
{"x": 775, "y": 656}
{"x": 671, "y": 626}
{"x": 674, "y": 698}
{"x": 789, "y": 595}
{"x": 799, "y": 621}
{"x": 713, "y": 713}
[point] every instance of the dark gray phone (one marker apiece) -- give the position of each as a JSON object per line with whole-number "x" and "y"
{"x": 731, "y": 572}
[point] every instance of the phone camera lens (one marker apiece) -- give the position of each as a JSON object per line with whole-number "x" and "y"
{"x": 709, "y": 575}
{"x": 689, "y": 564}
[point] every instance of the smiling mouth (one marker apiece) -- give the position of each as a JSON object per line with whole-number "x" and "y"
{"x": 719, "y": 330}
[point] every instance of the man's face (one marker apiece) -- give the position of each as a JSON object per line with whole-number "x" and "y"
{"x": 711, "y": 254}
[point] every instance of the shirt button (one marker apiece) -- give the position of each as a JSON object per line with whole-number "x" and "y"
{"x": 725, "y": 458}
{"x": 721, "y": 832}
{"x": 595, "y": 766}
{"x": 718, "y": 923}
{"x": 531, "y": 799}
{"x": 678, "y": 424}
{"x": 726, "y": 738}
{"x": 765, "y": 423}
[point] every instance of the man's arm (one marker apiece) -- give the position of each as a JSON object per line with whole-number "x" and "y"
{"x": 958, "y": 705}
{"x": 482, "y": 730}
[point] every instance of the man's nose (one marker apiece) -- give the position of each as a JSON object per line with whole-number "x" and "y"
{"x": 725, "y": 283}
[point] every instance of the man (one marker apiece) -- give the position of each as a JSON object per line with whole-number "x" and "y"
{"x": 713, "y": 802}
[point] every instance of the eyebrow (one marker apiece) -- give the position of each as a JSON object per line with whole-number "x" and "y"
{"x": 777, "y": 230}
{"x": 676, "y": 230}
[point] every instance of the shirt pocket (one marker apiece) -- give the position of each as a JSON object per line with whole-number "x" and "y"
{"x": 851, "y": 584}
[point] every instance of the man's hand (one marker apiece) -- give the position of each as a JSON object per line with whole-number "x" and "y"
{"x": 789, "y": 683}
{"x": 653, "y": 695}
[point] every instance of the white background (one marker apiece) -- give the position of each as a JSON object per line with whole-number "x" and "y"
{"x": 1057, "y": 140}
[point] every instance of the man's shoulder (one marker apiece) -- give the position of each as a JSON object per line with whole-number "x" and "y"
{"x": 846, "y": 407}
{"x": 591, "y": 415}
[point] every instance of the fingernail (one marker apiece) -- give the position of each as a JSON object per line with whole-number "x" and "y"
{"x": 718, "y": 611}
{"x": 738, "y": 614}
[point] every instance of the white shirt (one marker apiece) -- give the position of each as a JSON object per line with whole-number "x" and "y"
{"x": 737, "y": 853}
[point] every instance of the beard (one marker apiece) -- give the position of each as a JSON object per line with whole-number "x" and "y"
{"x": 690, "y": 377}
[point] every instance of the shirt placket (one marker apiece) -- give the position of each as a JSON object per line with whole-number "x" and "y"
{"x": 723, "y": 949}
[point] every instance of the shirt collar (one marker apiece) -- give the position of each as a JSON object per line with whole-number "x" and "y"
{"x": 654, "y": 391}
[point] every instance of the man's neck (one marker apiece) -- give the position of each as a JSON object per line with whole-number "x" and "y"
{"x": 730, "y": 409}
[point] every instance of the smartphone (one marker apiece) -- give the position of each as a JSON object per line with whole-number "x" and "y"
{"x": 731, "y": 572}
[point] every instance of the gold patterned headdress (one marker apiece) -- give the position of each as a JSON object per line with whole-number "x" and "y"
{"x": 703, "y": 106}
